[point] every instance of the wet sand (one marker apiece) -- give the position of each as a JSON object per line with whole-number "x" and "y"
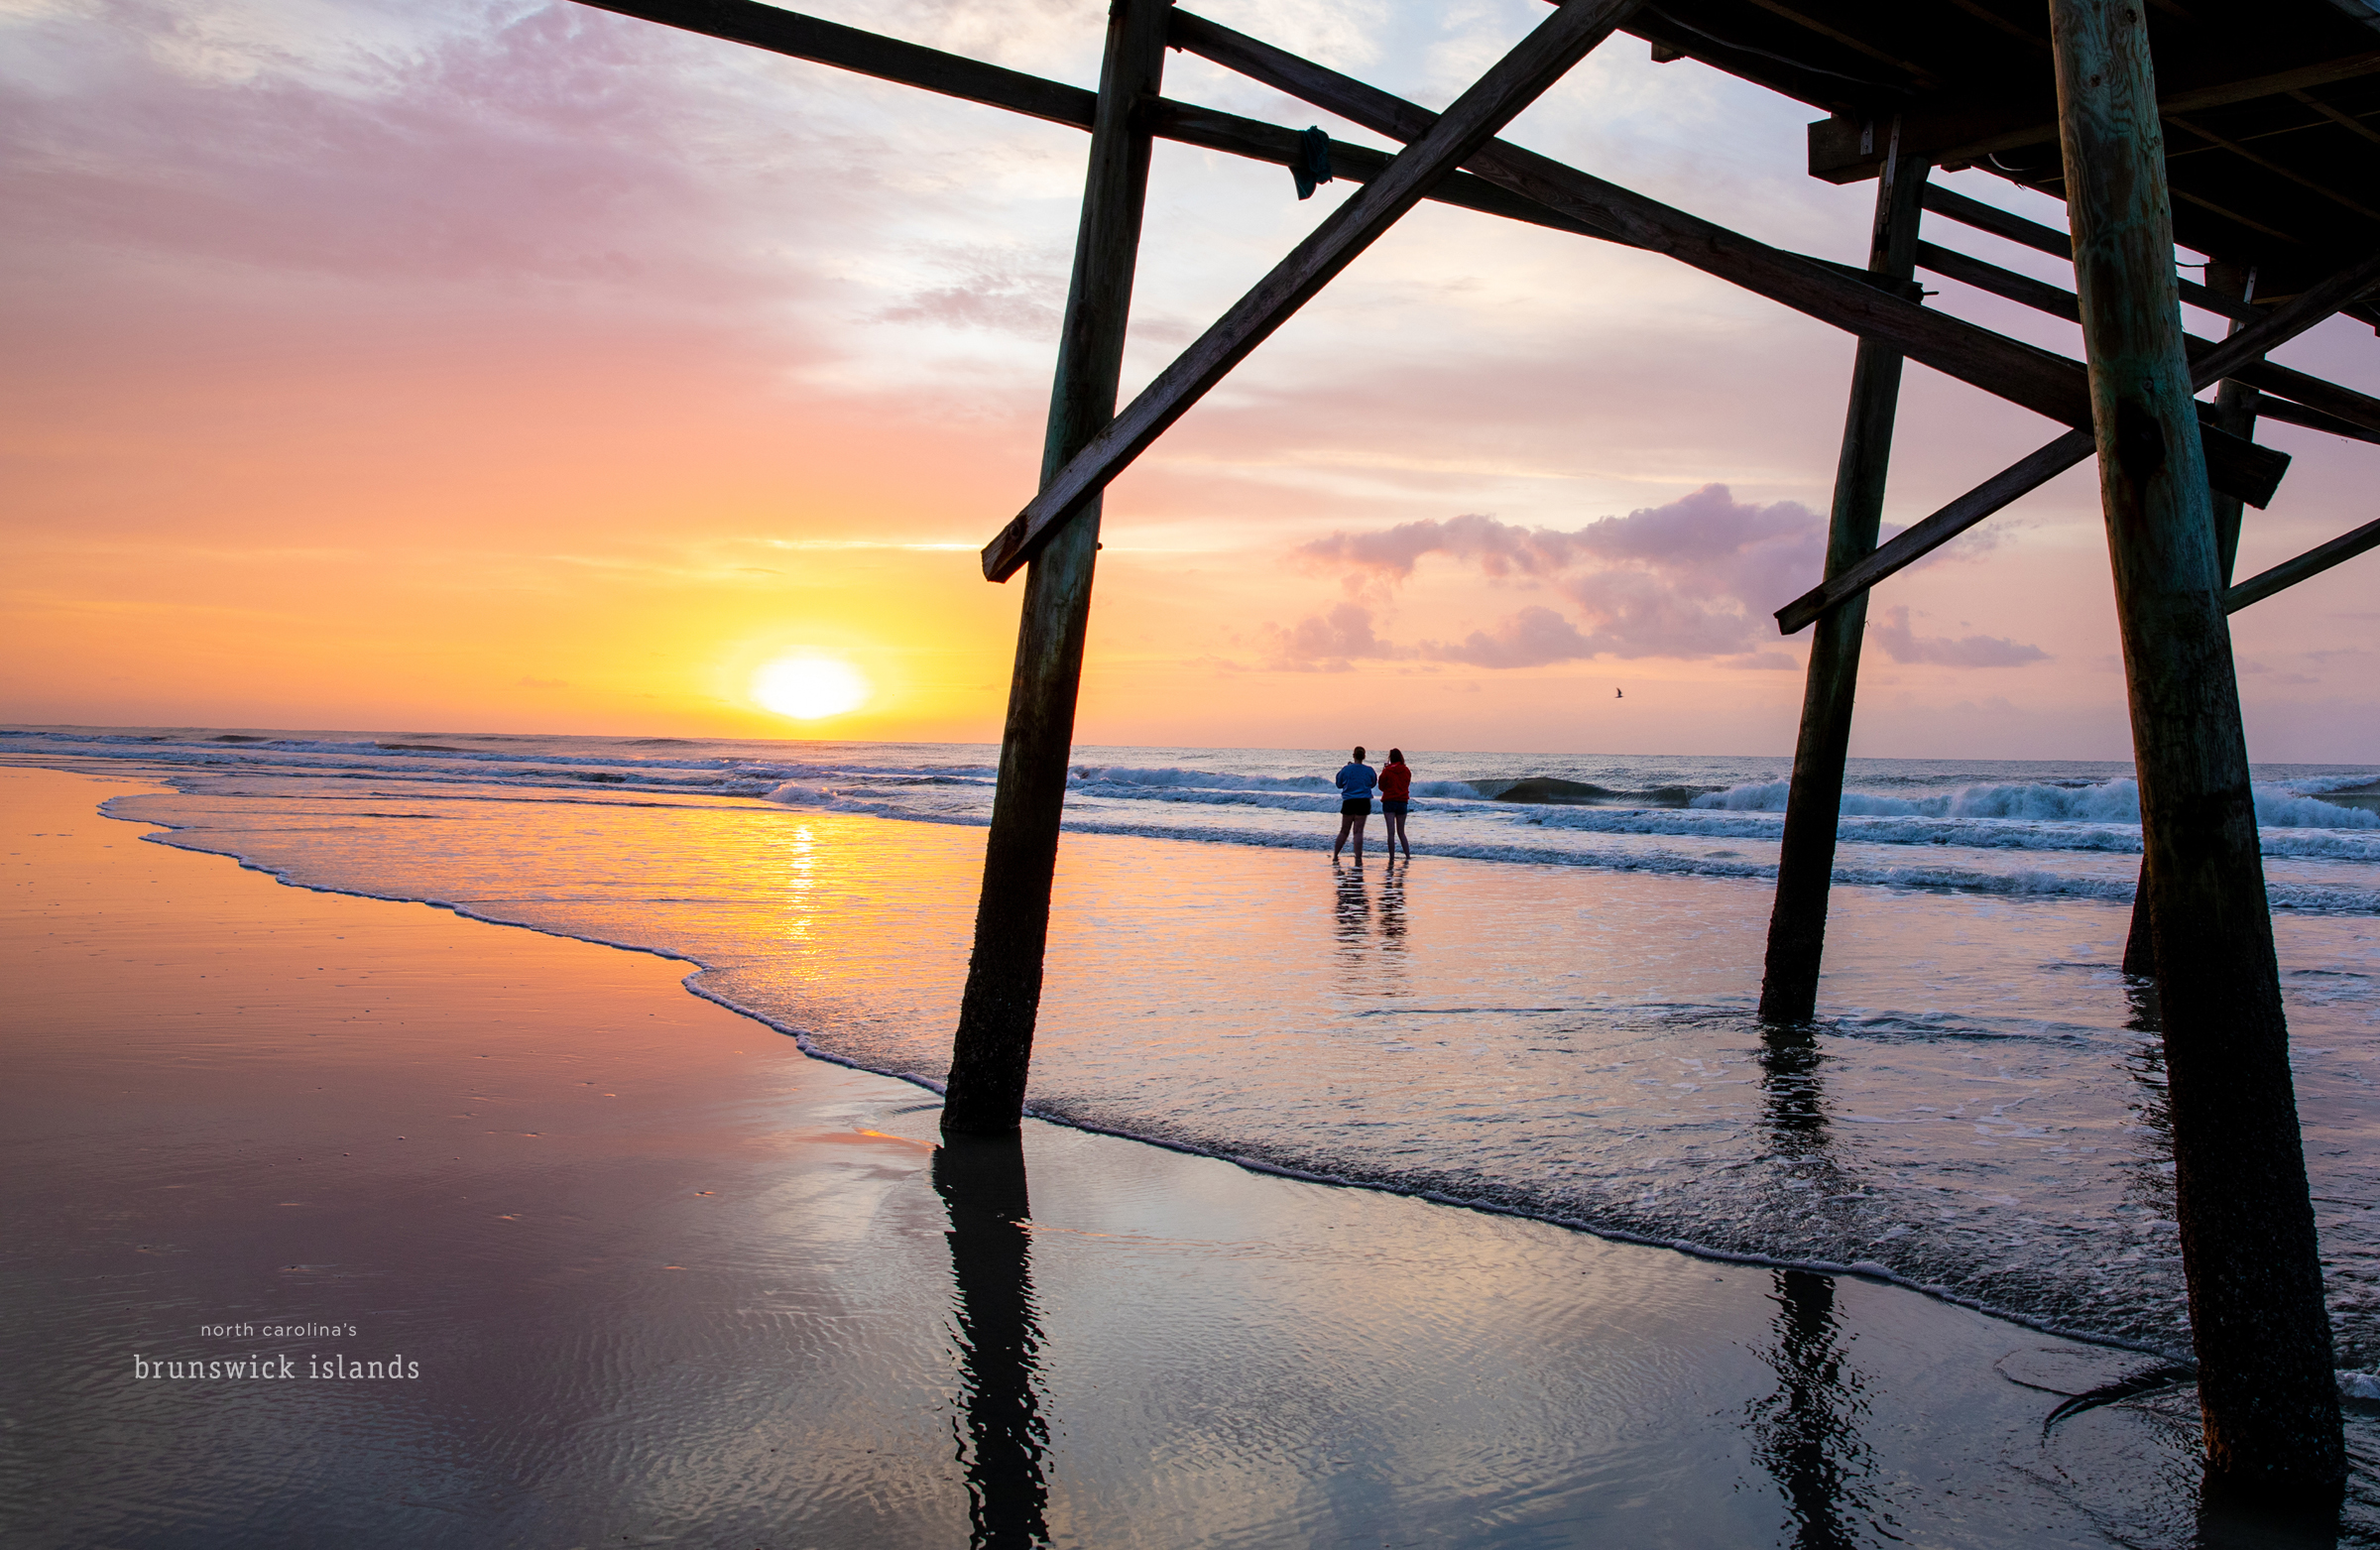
{"x": 666, "y": 1280}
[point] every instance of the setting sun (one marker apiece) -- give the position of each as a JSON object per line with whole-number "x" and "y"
{"x": 809, "y": 687}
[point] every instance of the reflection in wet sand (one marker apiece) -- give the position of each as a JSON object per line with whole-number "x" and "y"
{"x": 1807, "y": 1433}
{"x": 983, "y": 1186}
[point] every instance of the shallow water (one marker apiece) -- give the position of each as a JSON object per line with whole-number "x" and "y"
{"x": 667, "y": 1281}
{"x": 1981, "y": 1114}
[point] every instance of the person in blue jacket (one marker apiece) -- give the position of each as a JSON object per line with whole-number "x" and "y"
{"x": 1356, "y": 781}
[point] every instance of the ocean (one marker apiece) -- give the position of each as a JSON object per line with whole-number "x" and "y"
{"x": 1549, "y": 1013}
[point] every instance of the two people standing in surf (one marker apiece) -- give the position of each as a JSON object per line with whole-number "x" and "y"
{"x": 1357, "y": 782}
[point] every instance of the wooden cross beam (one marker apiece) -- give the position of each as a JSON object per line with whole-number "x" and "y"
{"x": 2303, "y": 400}
{"x": 2313, "y": 562}
{"x": 2021, "y": 478}
{"x": 799, "y": 37}
{"x": 2047, "y": 383}
{"x": 1958, "y": 206}
{"x": 1515, "y": 81}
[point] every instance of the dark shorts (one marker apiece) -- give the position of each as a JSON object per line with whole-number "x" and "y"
{"x": 1361, "y": 808}
{"x": 1393, "y": 808}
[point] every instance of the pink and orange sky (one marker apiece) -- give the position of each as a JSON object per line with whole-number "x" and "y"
{"x": 518, "y": 367}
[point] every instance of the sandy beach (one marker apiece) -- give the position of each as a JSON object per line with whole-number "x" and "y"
{"x": 654, "y": 1276}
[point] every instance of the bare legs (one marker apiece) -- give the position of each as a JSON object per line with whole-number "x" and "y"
{"x": 1394, "y": 824}
{"x": 1352, "y": 823}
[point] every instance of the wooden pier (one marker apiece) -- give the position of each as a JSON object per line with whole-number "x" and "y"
{"x": 2248, "y": 131}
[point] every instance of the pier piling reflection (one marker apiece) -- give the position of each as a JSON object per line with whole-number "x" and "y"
{"x": 982, "y": 1182}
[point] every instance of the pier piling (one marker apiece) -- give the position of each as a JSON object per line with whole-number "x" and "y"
{"x": 2267, "y": 1394}
{"x": 1797, "y": 923}
{"x": 2235, "y": 411}
{"x": 994, "y": 1045}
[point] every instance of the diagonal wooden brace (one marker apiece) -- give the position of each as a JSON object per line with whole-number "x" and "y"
{"x": 2225, "y": 357}
{"x": 1518, "y": 79}
{"x": 2313, "y": 562}
{"x": 2042, "y": 381}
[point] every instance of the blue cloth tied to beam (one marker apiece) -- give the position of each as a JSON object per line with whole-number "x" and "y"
{"x": 1313, "y": 165}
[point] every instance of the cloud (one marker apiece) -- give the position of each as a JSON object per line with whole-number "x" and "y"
{"x": 1329, "y": 643}
{"x": 1695, "y": 579}
{"x": 1891, "y": 631}
{"x": 1532, "y": 638}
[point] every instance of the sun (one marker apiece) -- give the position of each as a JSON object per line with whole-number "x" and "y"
{"x": 807, "y": 688}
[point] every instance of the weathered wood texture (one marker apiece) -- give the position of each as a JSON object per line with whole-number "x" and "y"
{"x": 2235, "y": 408}
{"x": 1797, "y": 923}
{"x": 994, "y": 1045}
{"x": 2311, "y": 564}
{"x": 2039, "y": 467}
{"x": 1511, "y": 84}
{"x": 2269, "y": 1400}
{"x": 2041, "y": 380}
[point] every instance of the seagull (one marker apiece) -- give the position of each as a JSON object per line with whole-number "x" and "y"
{"x": 1619, "y": 694}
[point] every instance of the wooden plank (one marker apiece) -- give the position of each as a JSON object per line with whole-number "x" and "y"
{"x": 1516, "y": 81}
{"x": 2044, "y": 463}
{"x": 1797, "y": 923}
{"x": 992, "y": 1049}
{"x": 2039, "y": 380}
{"x": 2267, "y": 1395}
{"x": 2313, "y": 562}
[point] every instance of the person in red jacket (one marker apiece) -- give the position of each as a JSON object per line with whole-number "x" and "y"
{"x": 1396, "y": 791}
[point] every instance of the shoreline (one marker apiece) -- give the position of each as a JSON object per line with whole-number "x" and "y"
{"x": 808, "y": 1045}
{"x": 1171, "y": 1293}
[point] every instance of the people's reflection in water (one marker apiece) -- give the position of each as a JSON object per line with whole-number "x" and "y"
{"x": 1806, "y": 1433}
{"x": 1350, "y": 913}
{"x": 982, "y": 1185}
{"x": 1393, "y": 912}
{"x": 1370, "y": 934}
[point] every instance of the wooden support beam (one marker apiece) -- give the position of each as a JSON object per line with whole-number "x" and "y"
{"x": 2046, "y": 462}
{"x": 1955, "y": 132}
{"x": 2346, "y": 412}
{"x": 2047, "y": 383}
{"x": 992, "y": 1050}
{"x": 1797, "y": 923}
{"x": 2267, "y": 1394}
{"x": 867, "y": 54}
{"x": 2311, "y": 564}
{"x": 801, "y": 36}
{"x": 1515, "y": 81}
{"x": 1954, "y": 206}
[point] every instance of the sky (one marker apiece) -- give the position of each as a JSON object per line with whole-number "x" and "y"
{"x": 522, "y": 366}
